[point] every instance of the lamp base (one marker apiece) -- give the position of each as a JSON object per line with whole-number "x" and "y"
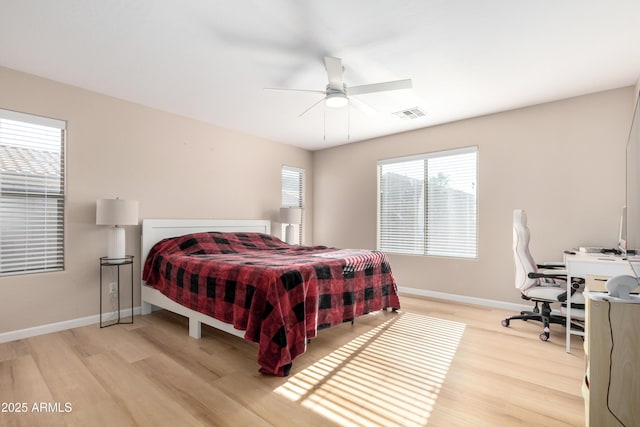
{"x": 116, "y": 248}
{"x": 288, "y": 235}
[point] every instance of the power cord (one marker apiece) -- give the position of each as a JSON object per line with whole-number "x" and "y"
{"x": 114, "y": 303}
{"x": 113, "y": 297}
{"x": 611, "y": 365}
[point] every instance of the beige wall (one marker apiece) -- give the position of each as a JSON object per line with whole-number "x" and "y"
{"x": 563, "y": 162}
{"x": 175, "y": 167}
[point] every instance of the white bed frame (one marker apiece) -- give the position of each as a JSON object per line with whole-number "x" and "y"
{"x": 154, "y": 230}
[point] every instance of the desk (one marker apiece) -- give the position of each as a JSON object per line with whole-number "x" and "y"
{"x": 583, "y": 264}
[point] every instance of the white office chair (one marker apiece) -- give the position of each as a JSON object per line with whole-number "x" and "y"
{"x": 542, "y": 284}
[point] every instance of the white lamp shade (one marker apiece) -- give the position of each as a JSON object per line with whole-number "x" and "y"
{"x": 291, "y": 215}
{"x": 116, "y": 212}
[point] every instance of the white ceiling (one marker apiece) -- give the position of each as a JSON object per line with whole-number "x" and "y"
{"x": 210, "y": 60}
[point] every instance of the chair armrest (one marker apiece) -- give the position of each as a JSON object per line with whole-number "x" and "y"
{"x": 547, "y": 276}
{"x": 552, "y": 266}
{"x": 576, "y": 282}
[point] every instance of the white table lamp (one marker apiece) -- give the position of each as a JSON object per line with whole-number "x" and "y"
{"x": 290, "y": 216}
{"x": 116, "y": 212}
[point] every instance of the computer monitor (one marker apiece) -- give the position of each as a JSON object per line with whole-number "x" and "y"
{"x": 631, "y": 211}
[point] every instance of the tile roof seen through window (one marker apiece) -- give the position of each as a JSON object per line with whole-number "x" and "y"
{"x": 25, "y": 161}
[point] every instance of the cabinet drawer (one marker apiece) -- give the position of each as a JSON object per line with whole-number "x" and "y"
{"x": 595, "y": 283}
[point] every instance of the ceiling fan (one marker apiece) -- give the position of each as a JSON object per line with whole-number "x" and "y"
{"x": 337, "y": 94}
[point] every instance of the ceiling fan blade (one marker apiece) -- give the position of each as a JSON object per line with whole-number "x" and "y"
{"x": 365, "y": 107}
{"x": 334, "y": 72}
{"x": 276, "y": 89}
{"x": 380, "y": 87}
{"x": 309, "y": 109}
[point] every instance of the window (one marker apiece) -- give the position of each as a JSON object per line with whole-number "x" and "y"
{"x": 31, "y": 193}
{"x": 427, "y": 204}
{"x": 292, "y": 192}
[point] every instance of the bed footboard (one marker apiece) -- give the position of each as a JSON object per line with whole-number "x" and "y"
{"x": 153, "y": 298}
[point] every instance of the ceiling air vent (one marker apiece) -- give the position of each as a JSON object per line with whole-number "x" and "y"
{"x": 411, "y": 113}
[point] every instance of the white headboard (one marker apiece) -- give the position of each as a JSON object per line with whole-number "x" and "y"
{"x": 154, "y": 230}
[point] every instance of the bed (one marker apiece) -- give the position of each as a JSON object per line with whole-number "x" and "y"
{"x": 236, "y": 276}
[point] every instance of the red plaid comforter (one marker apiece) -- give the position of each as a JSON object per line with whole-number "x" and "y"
{"x": 279, "y": 294}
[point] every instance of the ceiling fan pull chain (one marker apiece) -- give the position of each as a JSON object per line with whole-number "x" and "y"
{"x": 324, "y": 123}
{"x": 349, "y": 123}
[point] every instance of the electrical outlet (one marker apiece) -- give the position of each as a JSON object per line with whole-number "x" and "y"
{"x": 113, "y": 287}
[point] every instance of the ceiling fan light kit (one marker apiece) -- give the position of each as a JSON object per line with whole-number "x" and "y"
{"x": 336, "y": 100}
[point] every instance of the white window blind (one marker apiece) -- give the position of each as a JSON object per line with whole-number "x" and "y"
{"x": 428, "y": 204}
{"x": 292, "y": 191}
{"x": 31, "y": 193}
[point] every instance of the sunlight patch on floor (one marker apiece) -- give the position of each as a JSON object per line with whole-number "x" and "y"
{"x": 390, "y": 375}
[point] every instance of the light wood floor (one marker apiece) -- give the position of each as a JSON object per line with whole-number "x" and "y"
{"x": 432, "y": 364}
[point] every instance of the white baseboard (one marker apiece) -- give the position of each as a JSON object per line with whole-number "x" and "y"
{"x": 61, "y": 326}
{"x": 90, "y": 320}
{"x": 464, "y": 299}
